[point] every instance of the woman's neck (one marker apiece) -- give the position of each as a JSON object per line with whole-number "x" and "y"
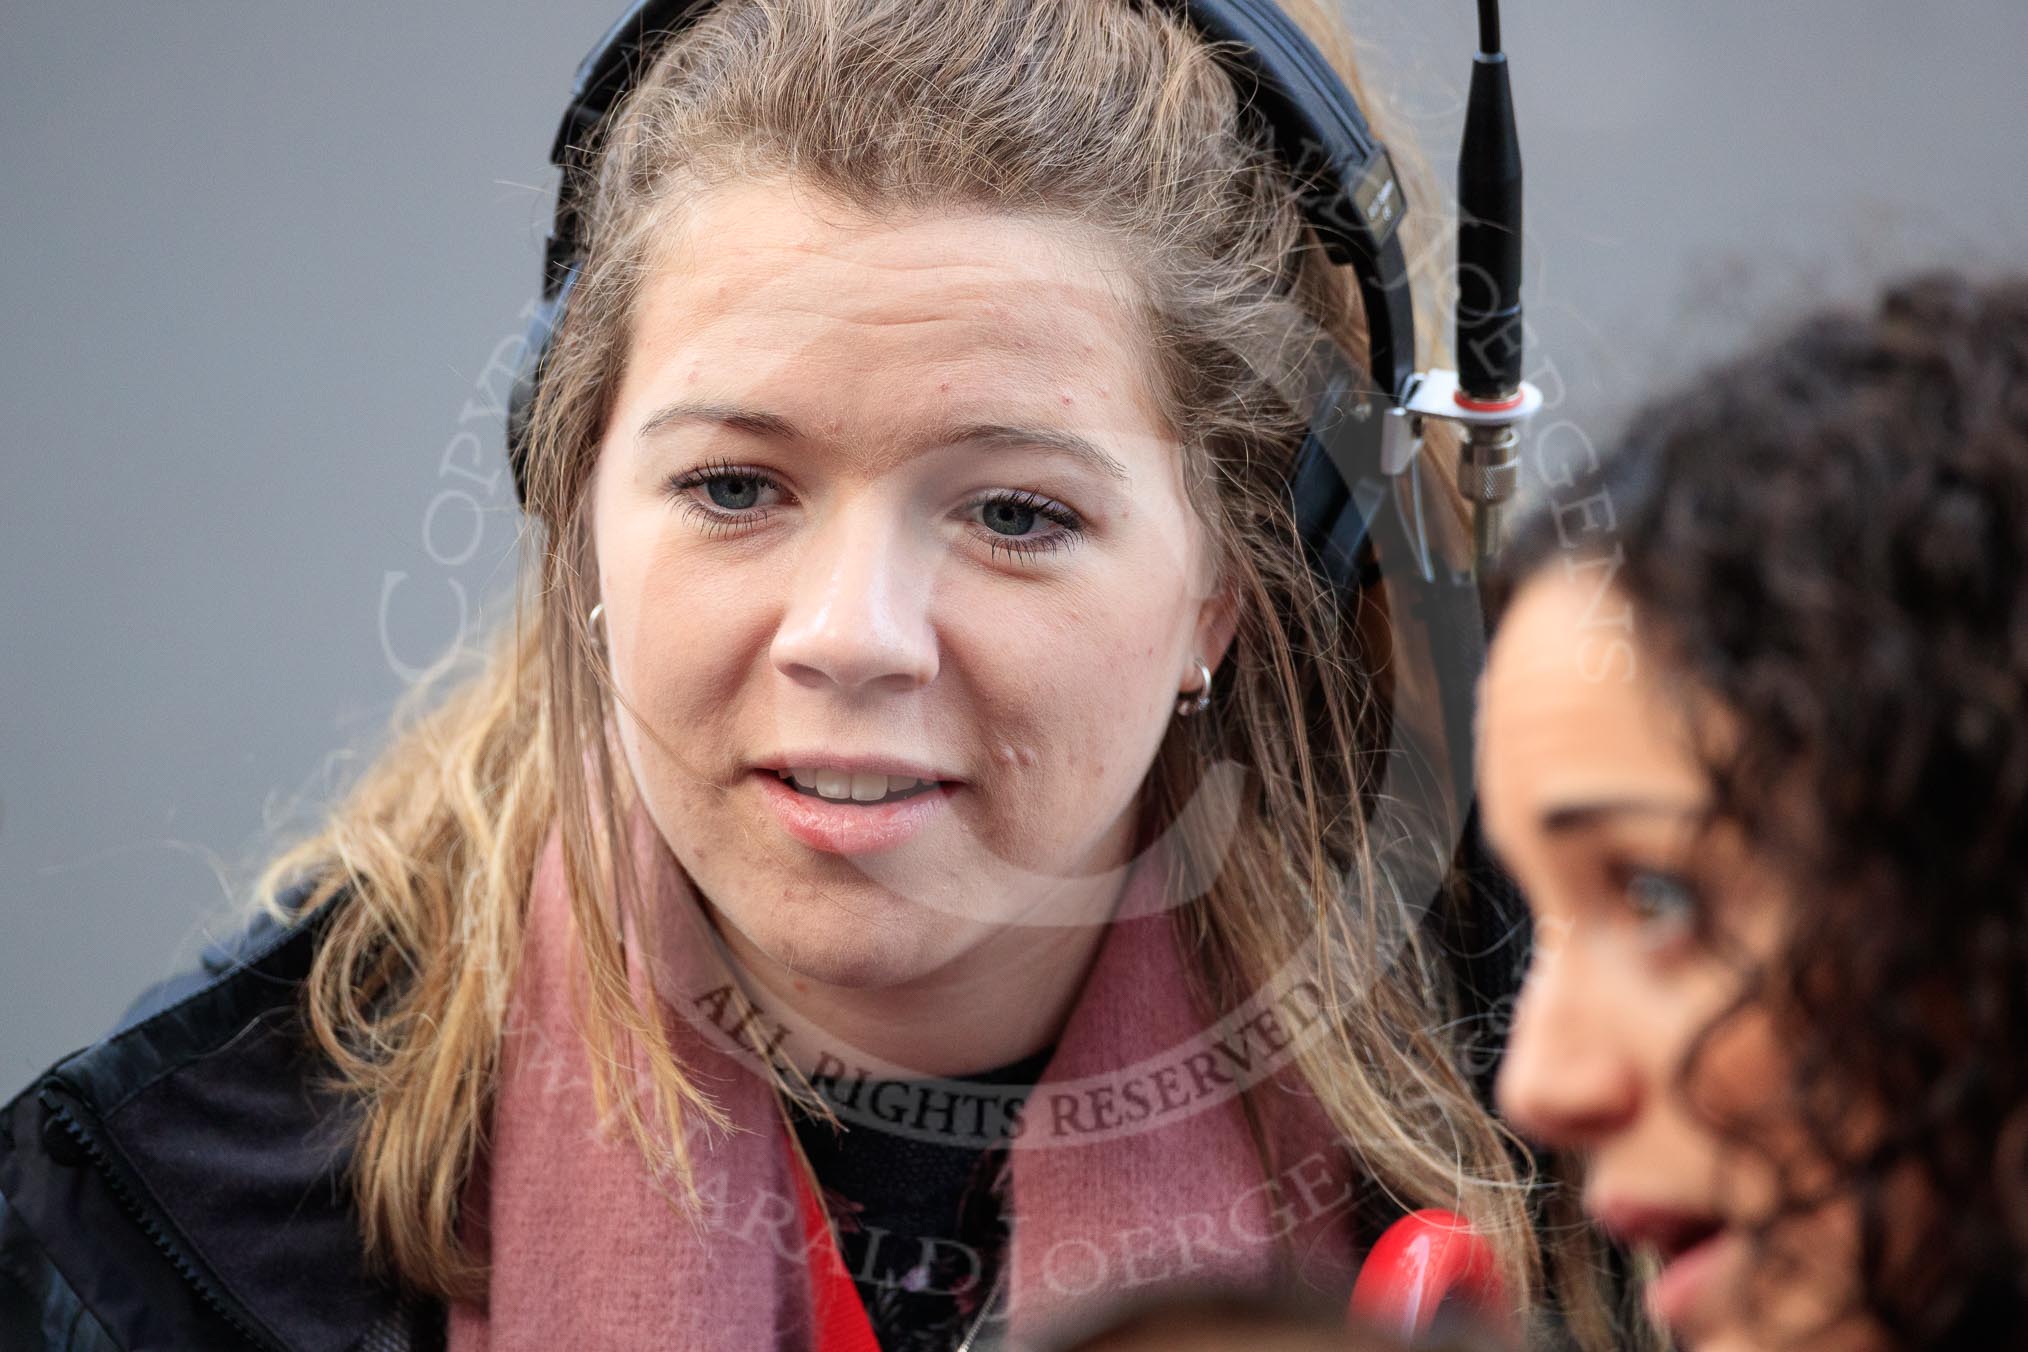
{"x": 1001, "y": 1000}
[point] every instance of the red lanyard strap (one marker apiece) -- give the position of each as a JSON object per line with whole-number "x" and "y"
{"x": 839, "y": 1314}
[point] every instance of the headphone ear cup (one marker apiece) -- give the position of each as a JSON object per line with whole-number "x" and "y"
{"x": 1337, "y": 485}
{"x": 542, "y": 326}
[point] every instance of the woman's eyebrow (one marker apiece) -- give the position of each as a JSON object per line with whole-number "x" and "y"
{"x": 1583, "y": 814}
{"x": 985, "y": 435}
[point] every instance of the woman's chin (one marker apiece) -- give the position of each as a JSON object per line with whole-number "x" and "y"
{"x": 874, "y": 947}
{"x": 850, "y": 961}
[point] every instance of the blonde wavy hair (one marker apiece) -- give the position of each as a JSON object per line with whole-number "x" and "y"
{"x": 1113, "y": 116}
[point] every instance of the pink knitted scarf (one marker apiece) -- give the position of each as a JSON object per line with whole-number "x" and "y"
{"x": 1134, "y": 1164}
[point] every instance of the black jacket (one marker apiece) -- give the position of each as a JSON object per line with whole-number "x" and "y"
{"x": 180, "y": 1183}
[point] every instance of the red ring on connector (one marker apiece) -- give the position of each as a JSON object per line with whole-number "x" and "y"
{"x": 1471, "y": 405}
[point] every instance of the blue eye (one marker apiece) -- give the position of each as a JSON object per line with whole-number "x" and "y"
{"x": 1000, "y": 512}
{"x": 1009, "y": 517}
{"x": 733, "y": 495}
{"x": 1665, "y": 904}
{"x": 744, "y": 490}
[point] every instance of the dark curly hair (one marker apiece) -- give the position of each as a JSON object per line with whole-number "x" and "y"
{"x": 1828, "y": 534}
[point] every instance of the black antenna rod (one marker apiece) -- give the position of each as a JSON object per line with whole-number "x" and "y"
{"x": 1489, "y": 26}
{"x": 1489, "y": 338}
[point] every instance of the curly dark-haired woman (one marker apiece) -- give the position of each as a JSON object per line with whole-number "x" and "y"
{"x": 1755, "y": 745}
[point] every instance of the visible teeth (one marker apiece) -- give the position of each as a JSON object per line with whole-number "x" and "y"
{"x": 840, "y": 785}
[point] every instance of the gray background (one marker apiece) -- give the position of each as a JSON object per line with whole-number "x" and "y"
{"x": 258, "y": 258}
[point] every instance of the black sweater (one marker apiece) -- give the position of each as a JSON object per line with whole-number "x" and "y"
{"x": 920, "y": 1220}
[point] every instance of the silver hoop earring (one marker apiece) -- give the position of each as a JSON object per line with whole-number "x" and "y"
{"x": 591, "y": 622}
{"x": 1201, "y": 700}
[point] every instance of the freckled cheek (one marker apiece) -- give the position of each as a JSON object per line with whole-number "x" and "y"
{"x": 1105, "y": 712}
{"x": 680, "y": 665}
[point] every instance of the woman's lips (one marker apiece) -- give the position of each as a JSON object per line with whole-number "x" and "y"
{"x": 1692, "y": 1246}
{"x": 848, "y": 828}
{"x": 1688, "y": 1280}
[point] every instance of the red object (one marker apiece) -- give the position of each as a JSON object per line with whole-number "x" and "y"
{"x": 1490, "y": 405}
{"x": 840, "y": 1316}
{"x": 1423, "y": 1260}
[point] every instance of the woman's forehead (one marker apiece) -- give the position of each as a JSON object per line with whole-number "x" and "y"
{"x": 758, "y": 251}
{"x": 992, "y": 319}
{"x": 1574, "y": 706}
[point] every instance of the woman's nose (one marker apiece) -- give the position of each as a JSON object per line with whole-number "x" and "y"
{"x": 1566, "y": 1079}
{"x": 857, "y": 613}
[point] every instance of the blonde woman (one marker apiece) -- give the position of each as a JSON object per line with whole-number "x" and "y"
{"x": 901, "y": 880}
